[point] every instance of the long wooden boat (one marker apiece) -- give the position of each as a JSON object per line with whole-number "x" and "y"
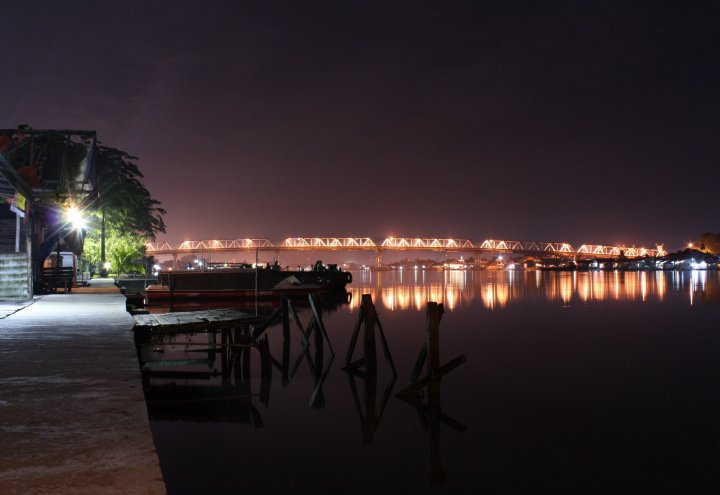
{"x": 245, "y": 283}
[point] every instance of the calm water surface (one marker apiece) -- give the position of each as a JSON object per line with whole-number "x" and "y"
{"x": 573, "y": 382}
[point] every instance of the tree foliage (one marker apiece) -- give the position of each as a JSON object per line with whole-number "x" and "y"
{"x": 126, "y": 203}
{"x": 708, "y": 243}
{"x": 122, "y": 249}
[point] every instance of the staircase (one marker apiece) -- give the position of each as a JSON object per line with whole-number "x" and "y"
{"x": 15, "y": 277}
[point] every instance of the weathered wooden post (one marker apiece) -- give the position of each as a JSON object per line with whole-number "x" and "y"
{"x": 370, "y": 316}
{"x": 430, "y": 412}
{"x": 434, "y": 315}
{"x": 366, "y": 368}
{"x": 318, "y": 323}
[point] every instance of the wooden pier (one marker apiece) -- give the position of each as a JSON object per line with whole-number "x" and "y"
{"x": 212, "y": 319}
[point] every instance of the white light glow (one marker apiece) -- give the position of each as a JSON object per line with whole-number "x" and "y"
{"x": 75, "y": 217}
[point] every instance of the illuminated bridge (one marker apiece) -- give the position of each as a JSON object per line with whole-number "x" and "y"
{"x": 390, "y": 244}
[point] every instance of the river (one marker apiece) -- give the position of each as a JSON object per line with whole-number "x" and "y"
{"x": 566, "y": 382}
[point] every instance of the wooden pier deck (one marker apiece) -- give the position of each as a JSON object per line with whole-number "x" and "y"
{"x": 192, "y": 320}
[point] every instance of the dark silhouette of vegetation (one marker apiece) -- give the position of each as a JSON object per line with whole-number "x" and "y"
{"x": 708, "y": 243}
{"x": 126, "y": 202}
{"x": 64, "y": 169}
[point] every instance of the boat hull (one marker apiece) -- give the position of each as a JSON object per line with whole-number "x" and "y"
{"x": 163, "y": 293}
{"x": 237, "y": 284}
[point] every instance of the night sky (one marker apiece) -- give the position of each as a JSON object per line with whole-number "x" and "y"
{"x": 585, "y": 122}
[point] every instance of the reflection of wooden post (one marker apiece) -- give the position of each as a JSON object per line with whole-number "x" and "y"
{"x": 431, "y": 415}
{"x": 247, "y": 383}
{"x": 285, "y": 370}
{"x": 434, "y": 314}
{"x": 369, "y": 341}
{"x": 225, "y": 353}
{"x": 265, "y": 370}
{"x": 285, "y": 318}
{"x": 317, "y": 400}
{"x": 368, "y": 314}
{"x": 369, "y": 348}
{"x": 366, "y": 368}
{"x": 318, "y": 323}
{"x": 212, "y": 348}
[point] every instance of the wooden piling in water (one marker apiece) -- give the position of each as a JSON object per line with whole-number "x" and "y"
{"x": 368, "y": 316}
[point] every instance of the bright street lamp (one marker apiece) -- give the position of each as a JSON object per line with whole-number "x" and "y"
{"x": 75, "y": 217}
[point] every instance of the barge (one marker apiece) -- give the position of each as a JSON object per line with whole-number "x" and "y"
{"x": 246, "y": 282}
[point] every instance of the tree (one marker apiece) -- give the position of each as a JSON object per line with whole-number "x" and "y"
{"x": 122, "y": 248}
{"x": 125, "y": 251}
{"x": 709, "y": 243}
{"x": 70, "y": 169}
{"x": 122, "y": 198}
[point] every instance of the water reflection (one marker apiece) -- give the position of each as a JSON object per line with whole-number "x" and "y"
{"x": 539, "y": 403}
{"x": 224, "y": 375}
{"x": 204, "y": 377}
{"x": 399, "y": 291}
{"x": 366, "y": 368}
{"x": 430, "y": 411}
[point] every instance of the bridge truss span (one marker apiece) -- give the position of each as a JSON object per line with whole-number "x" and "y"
{"x": 427, "y": 244}
{"x": 535, "y": 248}
{"x": 334, "y": 243}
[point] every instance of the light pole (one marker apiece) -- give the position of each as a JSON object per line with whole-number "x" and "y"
{"x": 103, "y": 262}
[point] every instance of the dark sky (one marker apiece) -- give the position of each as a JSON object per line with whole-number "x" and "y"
{"x": 585, "y": 122}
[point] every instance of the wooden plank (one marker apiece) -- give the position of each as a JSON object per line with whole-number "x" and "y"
{"x": 192, "y": 320}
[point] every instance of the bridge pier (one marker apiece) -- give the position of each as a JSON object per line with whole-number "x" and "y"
{"x": 378, "y": 259}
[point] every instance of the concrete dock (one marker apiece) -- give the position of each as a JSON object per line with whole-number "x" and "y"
{"x": 72, "y": 411}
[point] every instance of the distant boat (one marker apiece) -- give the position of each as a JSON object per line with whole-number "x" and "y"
{"x": 246, "y": 282}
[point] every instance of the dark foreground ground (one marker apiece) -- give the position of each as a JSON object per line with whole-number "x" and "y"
{"x": 72, "y": 412}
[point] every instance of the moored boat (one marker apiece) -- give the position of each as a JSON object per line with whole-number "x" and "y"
{"x": 246, "y": 282}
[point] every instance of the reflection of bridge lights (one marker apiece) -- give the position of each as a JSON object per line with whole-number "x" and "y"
{"x": 566, "y": 287}
{"x": 495, "y": 294}
{"x": 487, "y": 294}
{"x": 660, "y": 285}
{"x": 583, "y": 287}
{"x": 435, "y": 293}
{"x": 631, "y": 285}
{"x": 418, "y": 296}
{"x": 497, "y": 289}
{"x": 451, "y": 298}
{"x": 388, "y": 299}
{"x": 697, "y": 283}
{"x": 403, "y": 297}
{"x": 616, "y": 284}
{"x": 643, "y": 286}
